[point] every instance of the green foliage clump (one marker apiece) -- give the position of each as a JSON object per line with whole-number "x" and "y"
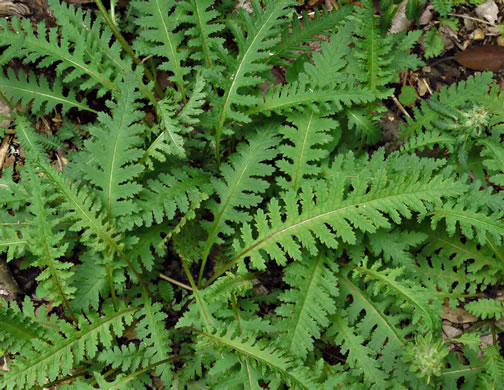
{"x": 305, "y": 261}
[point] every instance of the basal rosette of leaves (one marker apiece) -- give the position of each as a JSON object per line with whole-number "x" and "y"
{"x": 305, "y": 261}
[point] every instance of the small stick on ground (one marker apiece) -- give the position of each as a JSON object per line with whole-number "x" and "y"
{"x": 400, "y": 106}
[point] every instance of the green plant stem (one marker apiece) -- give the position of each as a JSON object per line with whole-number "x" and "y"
{"x": 234, "y": 305}
{"x": 107, "y": 374}
{"x": 217, "y": 145}
{"x": 202, "y": 269}
{"x": 6, "y": 101}
{"x": 139, "y": 372}
{"x": 111, "y": 286}
{"x": 66, "y": 378}
{"x": 222, "y": 271}
{"x": 196, "y": 292}
{"x": 126, "y": 46}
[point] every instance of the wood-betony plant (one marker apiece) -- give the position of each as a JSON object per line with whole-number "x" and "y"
{"x": 305, "y": 261}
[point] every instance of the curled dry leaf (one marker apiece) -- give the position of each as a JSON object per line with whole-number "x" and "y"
{"x": 457, "y": 316}
{"x": 483, "y": 58}
{"x": 488, "y": 11}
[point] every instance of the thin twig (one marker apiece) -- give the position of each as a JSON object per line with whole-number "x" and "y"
{"x": 180, "y": 284}
{"x": 427, "y": 85}
{"x": 472, "y": 18}
{"x": 400, "y": 106}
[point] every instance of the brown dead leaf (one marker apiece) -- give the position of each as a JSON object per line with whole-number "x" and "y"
{"x": 483, "y": 58}
{"x": 451, "y": 332}
{"x": 5, "y": 115}
{"x": 4, "y": 148}
{"x": 457, "y": 316}
{"x": 129, "y": 333}
{"x": 400, "y": 22}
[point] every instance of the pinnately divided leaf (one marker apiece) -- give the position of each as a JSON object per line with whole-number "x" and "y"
{"x": 151, "y": 329}
{"x": 268, "y": 358}
{"x": 161, "y": 198}
{"x": 202, "y": 14}
{"x": 494, "y": 162}
{"x": 71, "y": 346}
{"x": 473, "y": 221}
{"x": 114, "y": 147}
{"x": 322, "y": 86}
{"x": 303, "y": 150}
{"x": 359, "y": 356}
{"x": 303, "y": 30}
{"x": 242, "y": 182}
{"x": 47, "y": 244}
{"x": 44, "y": 97}
{"x": 307, "y": 304}
{"x": 262, "y": 31}
{"x": 69, "y": 57}
{"x": 328, "y": 213}
{"x": 157, "y": 22}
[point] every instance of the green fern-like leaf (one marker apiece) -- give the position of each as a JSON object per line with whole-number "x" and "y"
{"x": 82, "y": 27}
{"x": 241, "y": 184}
{"x": 72, "y": 346}
{"x": 305, "y": 29}
{"x": 175, "y": 125}
{"x": 128, "y": 358}
{"x": 70, "y": 57}
{"x": 151, "y": 329}
{"x": 494, "y": 364}
{"x": 44, "y": 98}
{"x": 465, "y": 265}
{"x": 93, "y": 280}
{"x": 149, "y": 239}
{"x": 443, "y": 104}
{"x": 262, "y": 31}
{"x": 31, "y": 140}
{"x": 363, "y": 123}
{"x": 322, "y": 86}
{"x": 158, "y": 22}
{"x": 360, "y": 357}
{"x": 391, "y": 281}
{"x": 202, "y": 14}
{"x": 261, "y": 359}
{"x": 10, "y": 242}
{"x": 379, "y": 58}
{"x": 13, "y": 196}
{"x": 474, "y": 222}
{"x": 302, "y": 152}
{"x": 85, "y": 212}
{"x": 395, "y": 246}
{"x": 429, "y": 140}
{"x": 307, "y": 304}
{"x": 469, "y": 369}
{"x": 375, "y": 317}
{"x": 162, "y": 198}
{"x": 330, "y": 213}
{"x": 227, "y": 287}
{"x": 114, "y": 151}
{"x": 45, "y": 243}
{"x": 18, "y": 328}
{"x": 444, "y": 7}
{"x": 494, "y": 161}
{"x": 486, "y": 308}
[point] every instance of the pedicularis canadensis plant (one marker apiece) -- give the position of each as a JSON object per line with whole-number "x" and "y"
{"x": 301, "y": 255}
